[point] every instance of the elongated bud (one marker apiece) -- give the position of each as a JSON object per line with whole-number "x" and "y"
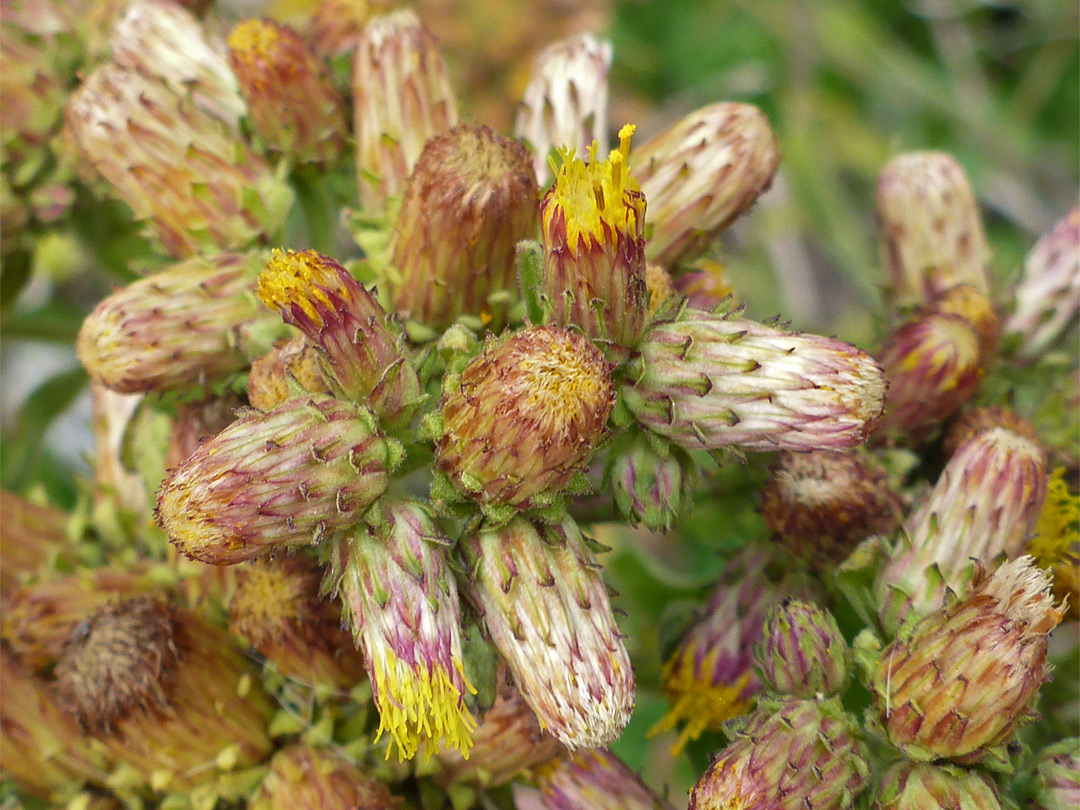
{"x": 302, "y": 777}
{"x": 709, "y": 381}
{"x": 971, "y": 423}
{"x": 290, "y": 369}
{"x": 546, "y": 609}
{"x": 470, "y": 199}
{"x": 593, "y": 227}
{"x": 32, "y": 538}
{"x": 823, "y": 503}
{"x": 507, "y": 741}
{"x": 45, "y": 752}
{"x": 168, "y": 695}
{"x": 931, "y": 233}
{"x": 1055, "y": 544}
{"x": 1057, "y": 776}
{"x": 401, "y": 98}
{"x": 701, "y": 174}
{"x": 163, "y": 40}
{"x": 291, "y": 103}
{"x": 710, "y": 676}
{"x": 985, "y": 503}
{"x": 525, "y": 416}
{"x": 278, "y": 609}
{"x": 923, "y": 786}
{"x": 566, "y": 103}
{"x": 288, "y": 477}
{"x": 959, "y": 681}
{"x": 1047, "y": 295}
{"x": 182, "y": 327}
{"x": 190, "y": 174}
{"x": 38, "y": 619}
{"x": 649, "y": 480}
{"x": 364, "y": 353}
{"x": 802, "y": 652}
{"x": 759, "y": 768}
{"x": 401, "y": 601}
{"x": 594, "y": 780}
{"x": 934, "y": 365}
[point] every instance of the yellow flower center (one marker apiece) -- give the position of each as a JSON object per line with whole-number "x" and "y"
{"x": 563, "y": 376}
{"x": 697, "y": 702}
{"x": 592, "y": 196}
{"x": 418, "y": 704}
{"x": 1057, "y": 539}
{"x": 302, "y": 278}
{"x": 253, "y": 40}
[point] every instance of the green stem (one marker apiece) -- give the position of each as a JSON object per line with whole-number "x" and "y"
{"x": 319, "y": 211}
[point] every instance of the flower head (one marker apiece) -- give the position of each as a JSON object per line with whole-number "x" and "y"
{"x": 302, "y": 777}
{"x": 927, "y": 786}
{"x": 401, "y": 603}
{"x": 469, "y": 200}
{"x": 363, "y": 352}
{"x": 594, "y": 779}
{"x": 802, "y": 652}
{"x": 958, "y": 682}
{"x": 291, "y": 102}
{"x": 525, "y": 416}
{"x": 288, "y": 477}
{"x": 700, "y": 175}
{"x": 706, "y": 381}
{"x": 1055, "y": 545}
{"x": 593, "y": 226}
{"x": 547, "y": 611}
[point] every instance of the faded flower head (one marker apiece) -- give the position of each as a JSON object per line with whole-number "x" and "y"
{"x": 931, "y": 234}
{"x": 984, "y": 504}
{"x": 959, "y": 681}
{"x": 565, "y": 104}
{"x": 291, "y": 103}
{"x": 525, "y": 416}
{"x": 700, "y": 175}
{"x": 540, "y": 593}
{"x": 470, "y": 199}
{"x": 185, "y": 326}
{"x": 401, "y": 98}
{"x": 823, "y": 503}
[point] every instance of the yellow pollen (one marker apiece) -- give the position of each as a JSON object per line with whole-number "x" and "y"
{"x": 301, "y": 278}
{"x": 1057, "y": 538}
{"x": 593, "y": 195}
{"x": 701, "y": 705}
{"x": 253, "y": 40}
{"x": 562, "y": 376}
{"x": 421, "y": 705}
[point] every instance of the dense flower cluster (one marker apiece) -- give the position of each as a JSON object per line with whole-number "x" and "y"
{"x": 361, "y": 566}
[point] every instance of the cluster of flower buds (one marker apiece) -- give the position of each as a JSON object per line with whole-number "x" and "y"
{"x": 387, "y": 453}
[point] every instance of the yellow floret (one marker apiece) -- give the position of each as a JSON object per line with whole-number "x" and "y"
{"x": 592, "y": 196}
{"x": 421, "y": 705}
{"x": 1056, "y": 537}
{"x": 697, "y": 702}
{"x": 301, "y": 278}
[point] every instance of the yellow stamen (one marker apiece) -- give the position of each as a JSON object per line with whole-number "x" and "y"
{"x": 302, "y": 278}
{"x": 421, "y": 705}
{"x": 700, "y": 704}
{"x": 1057, "y": 538}
{"x": 253, "y": 40}
{"x": 592, "y": 196}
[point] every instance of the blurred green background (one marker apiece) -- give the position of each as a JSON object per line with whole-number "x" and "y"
{"x": 846, "y": 84}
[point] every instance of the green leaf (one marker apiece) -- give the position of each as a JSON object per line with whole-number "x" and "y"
{"x": 530, "y": 262}
{"x": 25, "y": 447}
